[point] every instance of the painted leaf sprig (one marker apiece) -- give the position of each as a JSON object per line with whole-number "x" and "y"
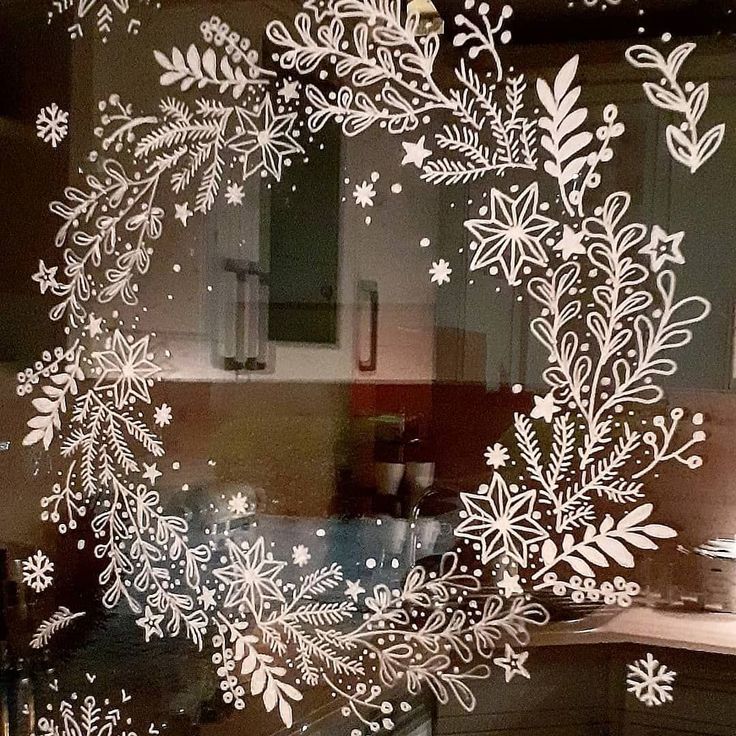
{"x": 610, "y": 542}
{"x": 685, "y": 143}
{"x": 564, "y": 140}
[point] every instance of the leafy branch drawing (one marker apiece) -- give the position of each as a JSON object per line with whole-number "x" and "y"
{"x": 389, "y": 81}
{"x": 567, "y": 144}
{"x": 608, "y": 541}
{"x": 684, "y": 142}
{"x": 434, "y": 639}
{"x": 64, "y": 382}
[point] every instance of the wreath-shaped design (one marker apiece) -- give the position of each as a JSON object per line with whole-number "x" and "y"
{"x": 570, "y": 508}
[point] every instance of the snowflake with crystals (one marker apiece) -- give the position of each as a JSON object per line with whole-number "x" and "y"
{"x": 52, "y": 124}
{"x": 38, "y": 571}
{"x": 650, "y": 681}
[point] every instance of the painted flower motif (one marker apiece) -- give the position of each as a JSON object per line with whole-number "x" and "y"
{"x": 502, "y": 520}
{"x": 268, "y": 134}
{"x": 45, "y": 277}
{"x": 440, "y": 272}
{"x": 52, "y": 124}
{"x": 150, "y": 622}
{"x": 364, "y": 194}
{"x": 38, "y": 571}
{"x": 496, "y": 456}
{"x": 251, "y": 577}
{"x": 300, "y": 555}
{"x": 162, "y": 415}
{"x": 126, "y": 369}
{"x": 511, "y": 235}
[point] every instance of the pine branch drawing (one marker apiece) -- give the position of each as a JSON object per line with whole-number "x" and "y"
{"x": 46, "y": 629}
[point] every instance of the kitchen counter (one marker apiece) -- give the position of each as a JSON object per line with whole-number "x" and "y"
{"x": 695, "y": 631}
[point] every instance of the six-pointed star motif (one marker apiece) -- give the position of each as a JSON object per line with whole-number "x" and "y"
{"x": 511, "y": 234}
{"x": 268, "y": 134}
{"x": 501, "y": 520}
{"x": 126, "y": 369}
{"x": 251, "y": 577}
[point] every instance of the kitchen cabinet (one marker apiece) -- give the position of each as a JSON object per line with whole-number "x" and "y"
{"x": 582, "y": 690}
{"x": 299, "y": 308}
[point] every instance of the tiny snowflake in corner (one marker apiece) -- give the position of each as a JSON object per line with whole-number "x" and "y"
{"x": 52, "y": 124}
{"x": 440, "y": 272}
{"x": 38, "y": 571}
{"x": 650, "y": 681}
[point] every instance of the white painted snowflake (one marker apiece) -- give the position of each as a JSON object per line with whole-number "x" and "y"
{"x": 162, "y": 415}
{"x": 38, "y": 571}
{"x": 239, "y": 505}
{"x": 440, "y": 272}
{"x": 364, "y": 194}
{"x": 650, "y": 681}
{"x": 234, "y": 194}
{"x": 52, "y": 124}
{"x": 300, "y": 555}
{"x": 511, "y": 234}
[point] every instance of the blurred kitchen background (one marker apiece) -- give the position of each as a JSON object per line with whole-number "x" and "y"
{"x": 310, "y": 364}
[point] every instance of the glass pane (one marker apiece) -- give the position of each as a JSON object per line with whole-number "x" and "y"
{"x": 367, "y": 367}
